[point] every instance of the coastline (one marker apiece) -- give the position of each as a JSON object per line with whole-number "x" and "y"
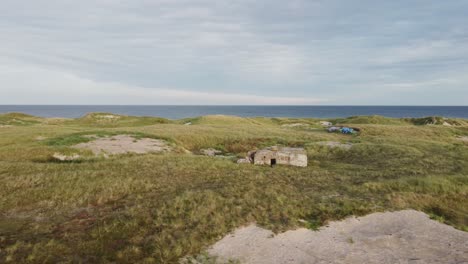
{"x": 179, "y": 112}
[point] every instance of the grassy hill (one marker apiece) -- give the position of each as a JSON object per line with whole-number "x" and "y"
{"x": 18, "y": 119}
{"x": 157, "y": 208}
{"x": 112, "y": 120}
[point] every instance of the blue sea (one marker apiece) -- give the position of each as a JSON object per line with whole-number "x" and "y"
{"x": 177, "y": 112}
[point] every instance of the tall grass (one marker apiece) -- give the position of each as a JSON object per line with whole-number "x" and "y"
{"x": 158, "y": 208}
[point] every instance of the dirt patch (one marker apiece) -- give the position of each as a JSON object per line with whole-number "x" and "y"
{"x": 62, "y": 157}
{"x": 463, "y": 139}
{"x": 393, "y": 237}
{"x": 334, "y": 144}
{"x": 295, "y": 125}
{"x": 121, "y": 144}
{"x": 107, "y": 117}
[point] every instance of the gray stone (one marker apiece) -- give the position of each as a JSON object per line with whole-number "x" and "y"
{"x": 210, "y": 152}
{"x": 243, "y": 161}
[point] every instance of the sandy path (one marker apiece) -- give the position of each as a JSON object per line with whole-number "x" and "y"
{"x": 393, "y": 237}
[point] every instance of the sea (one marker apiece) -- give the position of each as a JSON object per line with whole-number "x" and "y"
{"x": 179, "y": 111}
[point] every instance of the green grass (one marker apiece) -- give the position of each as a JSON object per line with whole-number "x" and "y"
{"x": 380, "y": 120}
{"x": 18, "y": 119}
{"x": 436, "y": 120}
{"x": 109, "y": 120}
{"x": 368, "y": 120}
{"x": 159, "y": 208}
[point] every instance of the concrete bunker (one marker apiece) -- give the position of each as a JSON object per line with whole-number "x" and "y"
{"x": 279, "y": 155}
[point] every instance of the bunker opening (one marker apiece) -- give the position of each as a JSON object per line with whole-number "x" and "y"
{"x": 273, "y": 162}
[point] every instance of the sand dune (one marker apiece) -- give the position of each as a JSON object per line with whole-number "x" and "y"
{"x": 392, "y": 237}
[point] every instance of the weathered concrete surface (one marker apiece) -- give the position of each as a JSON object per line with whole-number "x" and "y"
{"x": 393, "y": 237}
{"x": 121, "y": 144}
{"x": 281, "y": 155}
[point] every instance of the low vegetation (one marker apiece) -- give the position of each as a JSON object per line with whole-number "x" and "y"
{"x": 17, "y": 119}
{"x": 113, "y": 120}
{"x": 159, "y": 208}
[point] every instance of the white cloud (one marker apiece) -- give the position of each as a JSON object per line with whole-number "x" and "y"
{"x": 231, "y": 51}
{"x": 56, "y": 87}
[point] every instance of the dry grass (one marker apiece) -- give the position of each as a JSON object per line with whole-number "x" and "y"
{"x": 157, "y": 208}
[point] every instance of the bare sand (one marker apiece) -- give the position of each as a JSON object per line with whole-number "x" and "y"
{"x": 464, "y": 139}
{"x": 62, "y": 157}
{"x": 296, "y": 125}
{"x": 393, "y": 237}
{"x": 121, "y": 144}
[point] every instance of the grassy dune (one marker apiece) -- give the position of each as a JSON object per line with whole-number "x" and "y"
{"x": 157, "y": 208}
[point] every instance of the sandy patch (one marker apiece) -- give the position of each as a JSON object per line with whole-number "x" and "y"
{"x": 463, "y": 139}
{"x": 445, "y": 123}
{"x": 393, "y": 237}
{"x": 334, "y": 144}
{"x": 295, "y": 125}
{"x": 63, "y": 157}
{"x": 121, "y": 144}
{"x": 325, "y": 123}
{"x": 107, "y": 116}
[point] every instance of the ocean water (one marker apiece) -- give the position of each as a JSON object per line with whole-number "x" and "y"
{"x": 177, "y": 112}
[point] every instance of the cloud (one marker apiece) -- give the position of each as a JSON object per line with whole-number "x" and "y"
{"x": 255, "y": 50}
{"x": 437, "y": 50}
{"x": 65, "y": 88}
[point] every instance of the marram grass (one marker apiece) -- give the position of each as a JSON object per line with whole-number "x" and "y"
{"x": 159, "y": 208}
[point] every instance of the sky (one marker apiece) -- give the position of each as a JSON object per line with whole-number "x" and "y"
{"x": 244, "y": 52}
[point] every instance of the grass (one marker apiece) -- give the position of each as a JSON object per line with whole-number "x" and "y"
{"x": 109, "y": 120}
{"x": 17, "y": 119}
{"x": 156, "y": 208}
{"x": 368, "y": 120}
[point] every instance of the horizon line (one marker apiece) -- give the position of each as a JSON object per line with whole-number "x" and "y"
{"x": 230, "y": 105}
